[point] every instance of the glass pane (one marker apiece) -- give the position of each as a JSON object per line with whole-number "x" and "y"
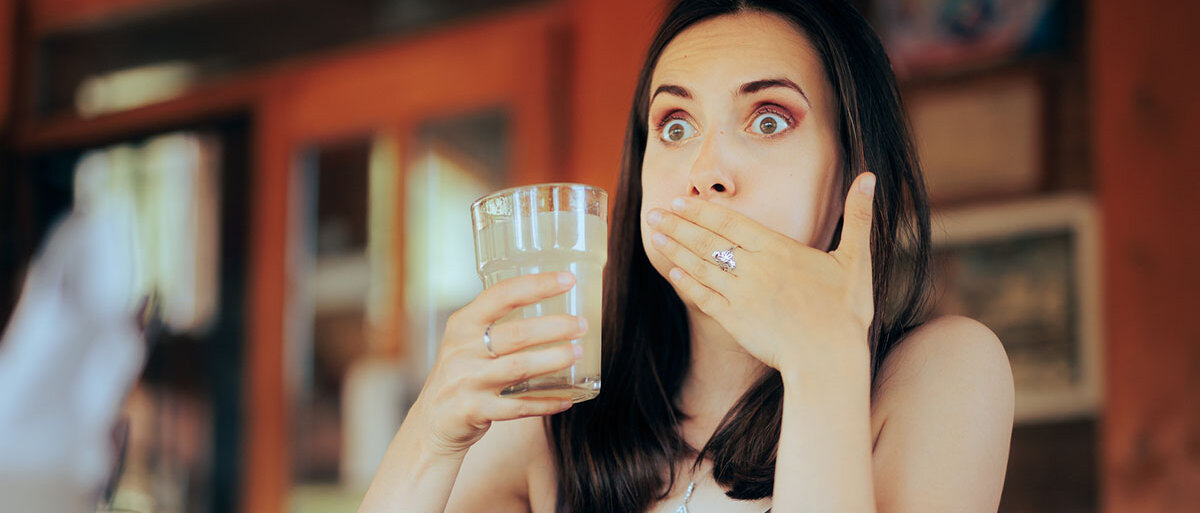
{"x": 351, "y": 390}
{"x": 456, "y": 161}
{"x": 340, "y": 356}
{"x": 332, "y": 275}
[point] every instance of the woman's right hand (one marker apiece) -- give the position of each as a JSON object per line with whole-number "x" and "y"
{"x": 461, "y": 398}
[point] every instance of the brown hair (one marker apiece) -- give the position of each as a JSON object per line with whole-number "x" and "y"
{"x": 617, "y": 452}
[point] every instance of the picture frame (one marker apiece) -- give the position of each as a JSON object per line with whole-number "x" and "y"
{"x": 982, "y": 139}
{"x": 927, "y": 38}
{"x": 1030, "y": 271}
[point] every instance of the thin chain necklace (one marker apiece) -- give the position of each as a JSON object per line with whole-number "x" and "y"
{"x": 687, "y": 496}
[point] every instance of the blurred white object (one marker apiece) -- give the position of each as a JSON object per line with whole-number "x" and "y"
{"x": 133, "y": 87}
{"x": 177, "y": 206}
{"x": 374, "y": 402}
{"x": 71, "y": 354}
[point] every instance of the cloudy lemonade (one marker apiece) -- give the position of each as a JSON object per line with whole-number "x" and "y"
{"x": 541, "y": 242}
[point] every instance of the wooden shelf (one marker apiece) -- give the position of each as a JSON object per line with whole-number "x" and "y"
{"x": 205, "y": 102}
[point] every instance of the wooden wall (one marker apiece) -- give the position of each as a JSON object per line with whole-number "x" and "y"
{"x": 609, "y": 44}
{"x": 1146, "y": 129}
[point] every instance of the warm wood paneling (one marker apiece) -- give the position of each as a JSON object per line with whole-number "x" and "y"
{"x": 609, "y": 44}
{"x": 1052, "y": 468}
{"x": 205, "y": 102}
{"x": 503, "y": 62}
{"x": 266, "y": 474}
{"x": 1146, "y": 126}
{"x": 49, "y": 15}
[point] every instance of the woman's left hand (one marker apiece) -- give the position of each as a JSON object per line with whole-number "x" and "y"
{"x": 786, "y": 303}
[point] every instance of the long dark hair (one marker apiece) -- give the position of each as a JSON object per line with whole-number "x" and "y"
{"x": 618, "y": 451}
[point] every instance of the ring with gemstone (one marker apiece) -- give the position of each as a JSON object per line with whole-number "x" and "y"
{"x": 725, "y": 259}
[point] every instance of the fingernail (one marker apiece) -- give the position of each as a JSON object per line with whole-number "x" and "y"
{"x": 565, "y": 404}
{"x": 582, "y": 324}
{"x": 565, "y": 278}
{"x": 659, "y": 239}
{"x": 678, "y": 204}
{"x": 578, "y": 351}
{"x": 654, "y": 218}
{"x": 676, "y": 274}
{"x": 867, "y": 185}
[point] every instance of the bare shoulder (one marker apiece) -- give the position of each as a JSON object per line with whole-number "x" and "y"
{"x": 496, "y": 474}
{"x": 944, "y": 407}
{"x": 948, "y": 352}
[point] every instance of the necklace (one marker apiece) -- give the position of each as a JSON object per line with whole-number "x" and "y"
{"x": 687, "y": 496}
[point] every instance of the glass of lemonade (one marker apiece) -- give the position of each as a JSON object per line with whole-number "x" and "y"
{"x": 545, "y": 228}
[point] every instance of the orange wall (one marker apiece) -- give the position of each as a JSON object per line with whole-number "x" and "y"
{"x": 1146, "y": 127}
{"x": 609, "y": 40}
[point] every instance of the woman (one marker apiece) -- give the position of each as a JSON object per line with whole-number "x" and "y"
{"x": 794, "y": 372}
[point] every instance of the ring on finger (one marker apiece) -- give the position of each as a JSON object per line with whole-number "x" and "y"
{"x": 724, "y": 259}
{"x": 487, "y": 340}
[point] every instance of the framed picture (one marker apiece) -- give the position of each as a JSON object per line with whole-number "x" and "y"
{"x": 981, "y": 139}
{"x": 937, "y": 37}
{"x": 1029, "y": 270}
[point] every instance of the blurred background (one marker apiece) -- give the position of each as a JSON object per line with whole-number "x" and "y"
{"x": 301, "y": 171}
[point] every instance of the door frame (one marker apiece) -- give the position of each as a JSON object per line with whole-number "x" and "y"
{"x": 512, "y": 61}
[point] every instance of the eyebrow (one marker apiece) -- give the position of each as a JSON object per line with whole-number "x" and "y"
{"x": 745, "y": 89}
{"x": 759, "y": 85}
{"x": 671, "y": 89}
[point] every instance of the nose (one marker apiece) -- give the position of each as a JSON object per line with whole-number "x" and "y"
{"x": 712, "y": 172}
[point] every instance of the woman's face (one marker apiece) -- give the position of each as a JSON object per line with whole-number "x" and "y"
{"x": 742, "y": 115}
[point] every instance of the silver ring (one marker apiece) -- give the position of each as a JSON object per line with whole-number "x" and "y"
{"x": 725, "y": 259}
{"x": 487, "y": 340}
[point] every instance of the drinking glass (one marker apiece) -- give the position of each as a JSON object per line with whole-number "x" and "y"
{"x": 544, "y": 228}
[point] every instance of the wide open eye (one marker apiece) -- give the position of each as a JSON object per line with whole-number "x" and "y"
{"x": 769, "y": 123}
{"x": 677, "y": 130}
